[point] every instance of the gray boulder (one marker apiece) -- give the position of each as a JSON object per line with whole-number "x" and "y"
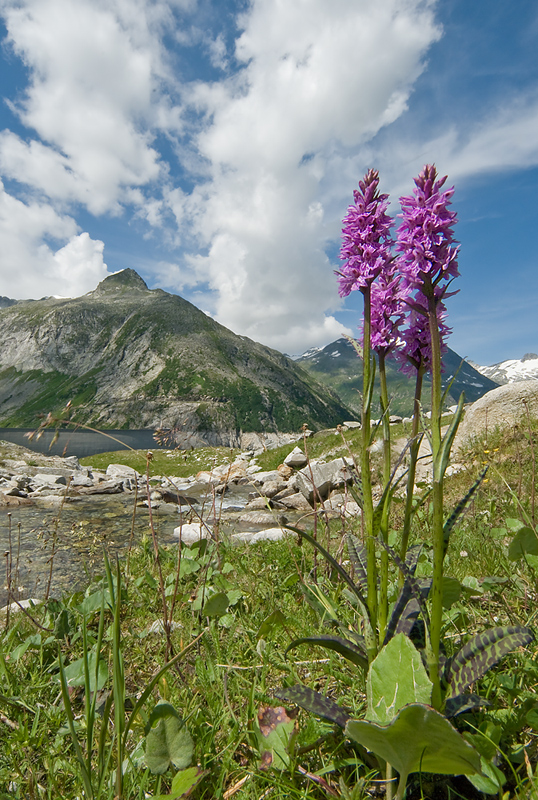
{"x": 324, "y": 477}
{"x": 296, "y": 458}
{"x": 502, "y": 407}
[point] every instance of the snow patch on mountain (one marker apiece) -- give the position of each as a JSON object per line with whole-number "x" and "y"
{"x": 512, "y": 370}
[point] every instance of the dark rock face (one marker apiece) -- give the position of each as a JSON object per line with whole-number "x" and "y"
{"x": 127, "y": 356}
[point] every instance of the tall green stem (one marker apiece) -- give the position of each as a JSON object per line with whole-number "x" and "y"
{"x": 437, "y": 503}
{"x": 384, "y": 559}
{"x": 413, "y": 457}
{"x": 368, "y": 508}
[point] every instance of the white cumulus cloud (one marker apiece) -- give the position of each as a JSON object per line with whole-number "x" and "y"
{"x": 30, "y": 266}
{"x": 315, "y": 78}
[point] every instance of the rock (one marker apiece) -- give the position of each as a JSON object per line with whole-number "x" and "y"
{"x": 173, "y": 496}
{"x": 105, "y": 487}
{"x": 351, "y": 424}
{"x": 257, "y": 518}
{"x": 262, "y": 477}
{"x": 269, "y": 535}
{"x": 502, "y": 407}
{"x": 121, "y": 471}
{"x": 296, "y": 501}
{"x": 45, "y": 479}
{"x": 81, "y": 480}
{"x": 296, "y": 459}
{"x": 6, "y": 500}
{"x": 270, "y": 488}
{"x": 394, "y": 419}
{"x": 285, "y": 471}
{"x": 256, "y": 504}
{"x": 191, "y": 532}
{"x": 19, "y": 605}
{"x": 325, "y": 477}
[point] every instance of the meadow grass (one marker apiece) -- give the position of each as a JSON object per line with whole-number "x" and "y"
{"x": 237, "y": 664}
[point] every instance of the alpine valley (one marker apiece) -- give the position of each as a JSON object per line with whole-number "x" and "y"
{"x": 125, "y": 356}
{"x": 338, "y": 366}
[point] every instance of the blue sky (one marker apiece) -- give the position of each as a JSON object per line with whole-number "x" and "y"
{"x": 214, "y": 146}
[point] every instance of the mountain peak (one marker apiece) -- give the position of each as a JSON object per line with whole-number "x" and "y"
{"x": 124, "y": 280}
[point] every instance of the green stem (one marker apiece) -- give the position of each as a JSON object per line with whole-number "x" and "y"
{"x": 437, "y": 504}
{"x": 384, "y": 559}
{"x": 413, "y": 457}
{"x": 368, "y": 508}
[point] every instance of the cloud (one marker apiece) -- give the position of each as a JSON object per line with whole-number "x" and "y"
{"x": 93, "y": 68}
{"x": 314, "y": 79}
{"x": 30, "y": 267}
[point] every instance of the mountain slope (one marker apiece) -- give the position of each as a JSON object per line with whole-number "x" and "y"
{"x": 127, "y": 356}
{"x": 338, "y": 366}
{"x": 514, "y": 369}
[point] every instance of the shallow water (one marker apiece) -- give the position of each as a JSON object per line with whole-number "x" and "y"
{"x": 75, "y": 536}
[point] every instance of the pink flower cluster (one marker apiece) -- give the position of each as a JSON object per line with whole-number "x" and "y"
{"x": 366, "y": 238}
{"x": 401, "y": 287}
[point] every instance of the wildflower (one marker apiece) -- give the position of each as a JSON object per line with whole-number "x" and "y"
{"x": 425, "y": 237}
{"x": 367, "y": 241}
{"x": 415, "y": 351}
{"x": 428, "y": 264}
{"x": 387, "y": 309}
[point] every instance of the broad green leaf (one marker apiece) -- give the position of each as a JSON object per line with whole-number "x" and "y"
{"x": 217, "y": 605}
{"x": 168, "y": 741}
{"x": 514, "y": 524}
{"x": 183, "y": 784}
{"x": 314, "y": 702}
{"x": 482, "y": 652}
{"x": 353, "y": 652}
{"x": 274, "y": 731}
{"x": 74, "y": 673}
{"x": 396, "y": 678}
{"x": 188, "y": 566}
{"x": 64, "y": 624}
{"x": 419, "y": 739}
{"x": 274, "y": 620}
{"x": 94, "y": 602}
{"x": 525, "y": 542}
{"x": 492, "y": 779}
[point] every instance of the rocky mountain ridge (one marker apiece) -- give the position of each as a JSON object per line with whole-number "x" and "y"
{"x": 338, "y": 366}
{"x": 128, "y": 356}
{"x": 511, "y": 370}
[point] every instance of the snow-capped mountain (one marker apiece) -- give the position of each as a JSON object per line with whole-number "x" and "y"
{"x": 338, "y": 366}
{"x": 522, "y": 369}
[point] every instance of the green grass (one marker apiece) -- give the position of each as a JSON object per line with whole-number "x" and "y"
{"x": 219, "y": 685}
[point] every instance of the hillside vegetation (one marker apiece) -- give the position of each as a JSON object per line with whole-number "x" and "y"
{"x": 125, "y": 356}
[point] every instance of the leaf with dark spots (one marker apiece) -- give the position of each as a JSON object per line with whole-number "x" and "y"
{"x": 407, "y": 609}
{"x": 357, "y": 556}
{"x": 275, "y": 729}
{"x": 414, "y": 585}
{"x": 464, "y": 702}
{"x": 412, "y": 556}
{"x": 459, "y": 509}
{"x": 269, "y": 718}
{"x": 315, "y": 703}
{"x": 481, "y": 653}
{"x": 353, "y": 652}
